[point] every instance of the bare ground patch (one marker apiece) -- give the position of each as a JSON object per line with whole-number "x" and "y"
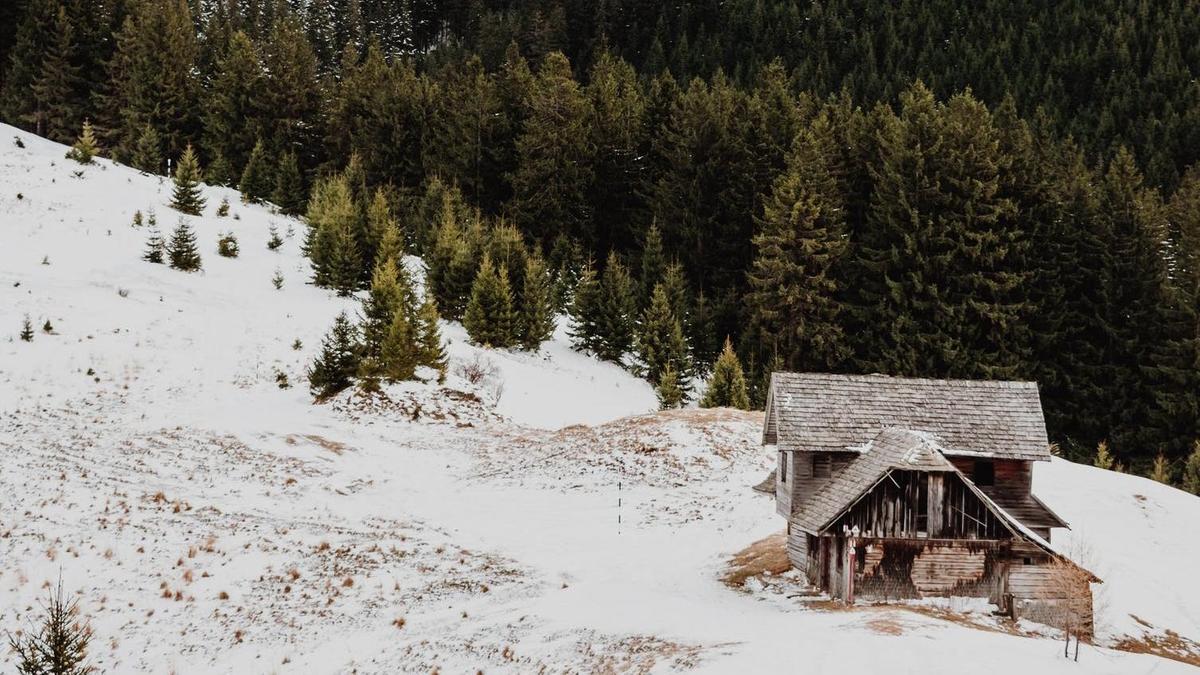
{"x": 766, "y": 556}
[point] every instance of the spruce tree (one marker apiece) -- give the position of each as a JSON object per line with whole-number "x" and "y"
{"x": 1161, "y": 470}
{"x": 232, "y": 115}
{"x": 554, "y": 174}
{"x": 335, "y": 367}
{"x": 660, "y": 342}
{"x": 187, "y": 197}
{"x": 256, "y": 183}
{"x": 155, "y": 247}
{"x": 1191, "y": 471}
{"x": 670, "y": 393}
{"x": 654, "y": 264}
{"x": 1104, "y": 459}
{"x": 85, "y": 147}
{"x": 147, "y": 151}
{"x": 26, "y": 333}
{"x": 617, "y": 311}
{"x": 60, "y": 645}
{"x": 391, "y": 292}
{"x": 489, "y": 318}
{"x": 273, "y": 239}
{"x": 453, "y": 264}
{"x": 181, "y": 250}
{"x": 331, "y": 243}
{"x": 431, "y": 353}
{"x": 56, "y": 91}
{"x": 288, "y": 194}
{"x": 727, "y": 386}
{"x": 585, "y": 312}
{"x": 795, "y": 302}
{"x": 399, "y": 353}
{"x": 537, "y": 304}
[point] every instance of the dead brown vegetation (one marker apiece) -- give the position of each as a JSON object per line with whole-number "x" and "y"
{"x": 764, "y": 556}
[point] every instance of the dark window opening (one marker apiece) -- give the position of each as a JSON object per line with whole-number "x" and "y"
{"x": 984, "y": 472}
{"x": 783, "y": 467}
{"x": 822, "y": 466}
{"x": 1028, "y": 561}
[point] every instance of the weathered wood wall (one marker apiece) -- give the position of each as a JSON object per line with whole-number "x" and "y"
{"x": 913, "y": 504}
{"x": 891, "y": 568}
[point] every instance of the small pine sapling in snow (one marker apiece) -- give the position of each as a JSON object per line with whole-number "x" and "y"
{"x": 152, "y": 218}
{"x": 297, "y": 345}
{"x": 223, "y": 208}
{"x": 1104, "y": 459}
{"x": 256, "y": 182}
{"x": 137, "y": 218}
{"x": 187, "y": 198}
{"x": 338, "y": 361}
{"x": 18, "y": 142}
{"x": 277, "y": 280}
{"x": 670, "y": 394}
{"x": 47, "y": 328}
{"x": 26, "y": 334}
{"x": 181, "y": 250}
{"x": 147, "y": 153}
{"x": 60, "y": 645}
{"x": 431, "y": 353}
{"x": 85, "y": 148}
{"x": 727, "y": 387}
{"x": 281, "y": 380}
{"x": 274, "y": 242}
{"x": 227, "y": 245}
{"x": 45, "y": 260}
{"x": 155, "y": 247}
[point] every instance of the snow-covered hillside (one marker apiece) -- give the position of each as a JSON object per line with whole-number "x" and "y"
{"x": 543, "y": 519}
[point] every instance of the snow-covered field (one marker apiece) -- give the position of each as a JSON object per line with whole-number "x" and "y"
{"x": 542, "y": 521}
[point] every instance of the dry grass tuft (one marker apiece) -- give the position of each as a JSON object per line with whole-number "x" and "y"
{"x": 761, "y": 557}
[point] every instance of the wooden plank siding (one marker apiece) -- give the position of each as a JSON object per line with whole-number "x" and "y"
{"x": 894, "y": 568}
{"x": 898, "y": 506}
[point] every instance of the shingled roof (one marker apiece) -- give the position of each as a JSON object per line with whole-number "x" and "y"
{"x": 830, "y": 413}
{"x": 889, "y": 449}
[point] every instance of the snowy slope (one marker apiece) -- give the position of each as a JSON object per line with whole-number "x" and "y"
{"x": 212, "y": 522}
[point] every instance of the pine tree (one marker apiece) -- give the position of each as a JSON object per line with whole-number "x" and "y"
{"x": 1104, "y": 459}
{"x": 332, "y": 245}
{"x": 227, "y": 245}
{"x": 60, "y": 645}
{"x": 617, "y": 311}
{"x": 288, "y": 194}
{"x": 617, "y": 140}
{"x": 26, "y": 334}
{"x": 727, "y": 386}
{"x": 187, "y": 197}
{"x": 585, "y": 312}
{"x": 181, "y": 250}
{"x": 1191, "y": 471}
{"x": 391, "y": 292}
{"x": 55, "y": 92}
{"x": 376, "y": 226}
{"x": 654, "y": 264}
{"x": 273, "y": 240}
{"x": 399, "y": 353}
{"x": 85, "y": 147}
{"x": 554, "y": 174}
{"x": 147, "y": 152}
{"x": 660, "y": 343}
{"x": 256, "y": 182}
{"x": 431, "y": 353}
{"x": 153, "y": 79}
{"x": 232, "y": 116}
{"x": 335, "y": 367}
{"x": 453, "y": 263}
{"x": 1161, "y": 470}
{"x": 489, "y": 319}
{"x": 155, "y": 247}
{"x": 537, "y": 304}
{"x": 795, "y": 302}
{"x": 670, "y": 393}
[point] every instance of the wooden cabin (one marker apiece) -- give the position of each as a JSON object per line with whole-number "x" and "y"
{"x": 906, "y": 488}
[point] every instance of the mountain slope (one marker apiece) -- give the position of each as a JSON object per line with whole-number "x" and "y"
{"x": 213, "y": 522}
